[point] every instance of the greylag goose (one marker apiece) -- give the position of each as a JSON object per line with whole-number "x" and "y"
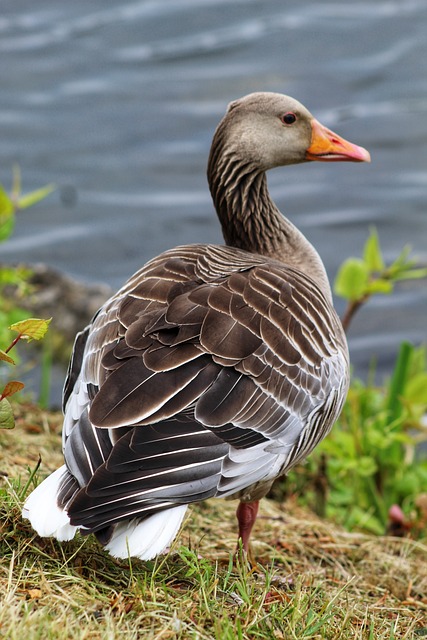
{"x": 215, "y": 369}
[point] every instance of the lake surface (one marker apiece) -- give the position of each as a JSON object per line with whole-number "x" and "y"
{"x": 116, "y": 102}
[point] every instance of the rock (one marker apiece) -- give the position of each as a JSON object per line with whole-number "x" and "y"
{"x": 69, "y": 303}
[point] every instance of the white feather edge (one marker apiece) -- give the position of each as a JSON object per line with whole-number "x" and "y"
{"x": 134, "y": 538}
{"x": 147, "y": 538}
{"x": 42, "y": 510}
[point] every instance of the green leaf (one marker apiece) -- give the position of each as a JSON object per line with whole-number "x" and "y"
{"x": 407, "y": 485}
{"x": 32, "y": 328}
{"x": 416, "y": 389}
{"x": 7, "y": 218}
{"x": 380, "y": 286}
{"x": 366, "y": 466}
{"x": 402, "y": 262}
{"x": 398, "y": 380}
{"x": 6, "y": 227}
{"x": 6, "y": 204}
{"x": 7, "y": 420}
{"x": 372, "y": 253}
{"x": 363, "y": 519}
{"x": 419, "y": 360}
{"x": 352, "y": 279}
{"x": 411, "y": 274}
{"x": 35, "y": 196}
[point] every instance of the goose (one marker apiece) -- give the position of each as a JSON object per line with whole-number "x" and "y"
{"x": 216, "y": 368}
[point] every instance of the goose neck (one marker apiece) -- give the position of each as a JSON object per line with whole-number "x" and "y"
{"x": 251, "y": 221}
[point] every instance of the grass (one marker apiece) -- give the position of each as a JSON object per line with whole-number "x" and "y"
{"x": 313, "y": 579}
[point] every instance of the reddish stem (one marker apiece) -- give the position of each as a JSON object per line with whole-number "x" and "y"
{"x": 13, "y": 343}
{"x": 351, "y": 310}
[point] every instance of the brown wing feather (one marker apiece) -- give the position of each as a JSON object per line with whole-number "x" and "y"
{"x": 238, "y": 344}
{"x": 254, "y": 318}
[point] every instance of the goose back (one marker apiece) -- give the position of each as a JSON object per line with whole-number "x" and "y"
{"x": 209, "y": 373}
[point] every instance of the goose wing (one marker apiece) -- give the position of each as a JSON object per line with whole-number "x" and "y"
{"x": 211, "y": 371}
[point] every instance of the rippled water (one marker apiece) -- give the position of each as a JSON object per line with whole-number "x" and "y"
{"x": 117, "y": 101}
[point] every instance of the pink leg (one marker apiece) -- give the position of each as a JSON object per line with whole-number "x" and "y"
{"x": 246, "y": 515}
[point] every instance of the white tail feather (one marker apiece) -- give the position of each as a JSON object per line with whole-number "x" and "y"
{"x": 141, "y": 539}
{"x": 147, "y": 538}
{"x": 42, "y": 510}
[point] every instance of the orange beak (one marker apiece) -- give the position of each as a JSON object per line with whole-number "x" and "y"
{"x": 327, "y": 146}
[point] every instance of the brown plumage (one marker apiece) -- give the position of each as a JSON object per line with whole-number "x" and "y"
{"x": 215, "y": 369}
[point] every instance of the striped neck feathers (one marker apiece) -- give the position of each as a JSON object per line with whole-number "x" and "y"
{"x": 249, "y": 218}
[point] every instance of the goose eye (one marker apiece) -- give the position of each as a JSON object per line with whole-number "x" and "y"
{"x": 288, "y": 118}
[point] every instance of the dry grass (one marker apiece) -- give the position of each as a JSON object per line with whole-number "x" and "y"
{"x": 313, "y": 579}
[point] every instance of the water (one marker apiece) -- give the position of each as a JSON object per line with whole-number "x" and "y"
{"x": 116, "y": 102}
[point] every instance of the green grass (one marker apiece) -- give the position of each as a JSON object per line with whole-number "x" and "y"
{"x": 313, "y": 580}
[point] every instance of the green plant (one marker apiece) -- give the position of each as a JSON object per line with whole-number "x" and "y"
{"x": 360, "y": 278}
{"x": 12, "y": 317}
{"x": 370, "y": 469}
{"x": 372, "y": 460}
{"x": 16, "y": 201}
{"x": 30, "y": 329}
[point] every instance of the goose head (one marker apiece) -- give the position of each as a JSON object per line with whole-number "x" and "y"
{"x": 270, "y": 130}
